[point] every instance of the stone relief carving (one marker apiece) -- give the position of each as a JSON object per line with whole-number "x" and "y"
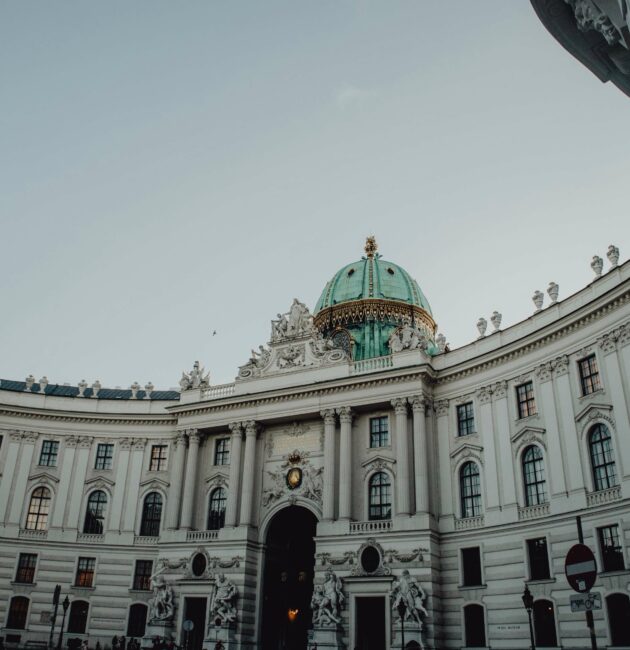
{"x": 327, "y": 601}
{"x": 162, "y": 605}
{"x": 500, "y": 390}
{"x": 484, "y": 394}
{"x": 406, "y": 590}
{"x": 196, "y": 378}
{"x": 377, "y": 464}
{"x": 223, "y": 603}
{"x": 392, "y": 555}
{"x": 290, "y": 357}
{"x": 309, "y": 488}
{"x": 407, "y": 337}
{"x": 349, "y": 557}
{"x": 441, "y": 407}
{"x": 381, "y": 570}
{"x": 590, "y": 17}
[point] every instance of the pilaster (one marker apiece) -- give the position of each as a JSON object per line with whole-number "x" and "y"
{"x": 345, "y": 463}
{"x": 190, "y": 479}
{"x": 231, "y": 510}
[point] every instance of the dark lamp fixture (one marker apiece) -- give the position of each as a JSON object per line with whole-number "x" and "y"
{"x": 65, "y": 604}
{"x": 292, "y": 614}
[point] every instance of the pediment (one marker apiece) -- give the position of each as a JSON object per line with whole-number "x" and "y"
{"x": 467, "y": 449}
{"x": 592, "y": 410}
{"x": 530, "y": 432}
{"x": 216, "y": 478}
{"x": 382, "y": 460}
{"x": 43, "y": 477}
{"x": 155, "y": 483}
{"x": 101, "y": 480}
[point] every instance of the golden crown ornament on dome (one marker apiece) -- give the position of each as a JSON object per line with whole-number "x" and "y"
{"x": 371, "y": 246}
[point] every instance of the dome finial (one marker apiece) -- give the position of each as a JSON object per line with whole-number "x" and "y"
{"x": 370, "y": 246}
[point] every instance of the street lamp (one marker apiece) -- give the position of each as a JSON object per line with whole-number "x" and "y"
{"x": 402, "y": 610}
{"x": 528, "y": 601}
{"x": 53, "y": 618}
{"x": 65, "y": 605}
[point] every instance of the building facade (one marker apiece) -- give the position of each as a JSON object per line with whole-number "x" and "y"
{"x": 357, "y": 482}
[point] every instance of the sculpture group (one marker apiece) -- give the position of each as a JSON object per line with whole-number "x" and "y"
{"x": 327, "y": 601}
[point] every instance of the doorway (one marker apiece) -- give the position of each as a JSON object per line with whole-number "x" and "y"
{"x": 370, "y": 623}
{"x": 288, "y": 579}
{"x": 195, "y": 611}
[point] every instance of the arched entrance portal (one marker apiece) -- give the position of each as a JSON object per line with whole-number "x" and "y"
{"x": 288, "y": 579}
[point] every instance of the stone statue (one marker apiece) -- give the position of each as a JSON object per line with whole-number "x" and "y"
{"x": 407, "y": 337}
{"x": 279, "y": 327}
{"x": 291, "y": 356}
{"x": 312, "y": 483}
{"x": 195, "y": 378}
{"x": 223, "y": 605}
{"x": 327, "y": 601}
{"x": 261, "y": 358}
{"x": 613, "y": 255}
{"x": 162, "y": 605}
{"x": 300, "y": 319}
{"x": 482, "y": 326}
{"x": 406, "y": 590}
{"x": 538, "y": 299}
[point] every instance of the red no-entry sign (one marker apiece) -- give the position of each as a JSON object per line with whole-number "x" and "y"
{"x": 580, "y": 568}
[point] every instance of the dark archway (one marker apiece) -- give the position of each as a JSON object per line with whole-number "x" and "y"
{"x": 288, "y": 579}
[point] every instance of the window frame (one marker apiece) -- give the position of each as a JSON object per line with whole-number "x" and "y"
{"x": 42, "y": 513}
{"x": 20, "y": 568}
{"x": 525, "y": 403}
{"x": 380, "y": 438}
{"x": 465, "y": 424}
{"x": 98, "y": 520}
{"x": 222, "y": 450}
{"x": 609, "y": 478}
{"x": 473, "y": 499}
{"x": 49, "y": 454}
{"x": 604, "y": 554}
{"x": 144, "y": 526}
{"x": 465, "y": 635}
{"x": 11, "y": 614}
{"x": 146, "y": 619}
{"x": 161, "y": 459}
{"x": 216, "y": 522}
{"x": 141, "y": 578}
{"x": 534, "y": 478}
{"x": 590, "y": 381}
{"x": 530, "y": 565}
{"x": 73, "y": 604}
{"x": 81, "y": 573}
{"x": 462, "y": 567}
{"x": 104, "y": 462}
{"x": 385, "y": 489}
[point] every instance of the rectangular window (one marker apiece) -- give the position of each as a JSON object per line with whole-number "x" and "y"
{"x": 222, "y": 451}
{"x": 589, "y": 375}
{"x": 525, "y": 399}
{"x": 49, "y": 452}
{"x": 465, "y": 419}
{"x": 26, "y": 568}
{"x": 611, "y": 549}
{"x": 142, "y": 575}
{"x": 538, "y": 559}
{"x": 471, "y": 567}
{"x": 379, "y": 432}
{"x": 158, "y": 458}
{"x": 104, "y": 456}
{"x": 85, "y": 572}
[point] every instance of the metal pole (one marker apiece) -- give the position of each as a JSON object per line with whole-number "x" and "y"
{"x": 590, "y": 623}
{"x": 531, "y": 629}
{"x": 54, "y": 616}
{"x": 402, "y": 632}
{"x": 63, "y": 620}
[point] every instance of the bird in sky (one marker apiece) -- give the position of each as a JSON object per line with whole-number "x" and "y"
{"x": 214, "y": 332}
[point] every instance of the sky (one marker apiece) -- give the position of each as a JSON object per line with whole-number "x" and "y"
{"x": 170, "y": 169}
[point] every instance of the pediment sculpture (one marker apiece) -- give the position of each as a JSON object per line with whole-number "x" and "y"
{"x": 310, "y": 483}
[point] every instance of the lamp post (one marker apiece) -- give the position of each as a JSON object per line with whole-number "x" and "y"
{"x": 402, "y": 609}
{"x": 528, "y": 602}
{"x": 65, "y": 605}
{"x": 53, "y": 618}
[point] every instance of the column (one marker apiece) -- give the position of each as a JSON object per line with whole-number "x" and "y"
{"x": 554, "y": 443}
{"x": 486, "y": 433}
{"x": 506, "y": 468}
{"x": 78, "y": 480}
{"x": 235, "y": 472}
{"x": 345, "y": 463}
{"x": 177, "y": 478}
{"x": 402, "y": 455}
{"x": 9, "y": 472}
{"x": 122, "y": 464}
{"x": 420, "y": 454}
{"x": 190, "y": 480}
{"x": 608, "y": 345}
{"x": 133, "y": 483}
{"x": 328, "y": 497}
{"x": 24, "y": 469}
{"x": 443, "y": 440}
{"x": 247, "y": 497}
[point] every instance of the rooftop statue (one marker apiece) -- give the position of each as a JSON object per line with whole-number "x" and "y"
{"x": 407, "y": 337}
{"x": 195, "y": 378}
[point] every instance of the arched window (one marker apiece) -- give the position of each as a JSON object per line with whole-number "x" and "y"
{"x": 380, "y": 499}
{"x": 18, "y": 611}
{"x": 137, "y": 621}
{"x": 618, "y": 606}
{"x": 95, "y": 513}
{"x": 474, "y": 626}
{"x": 216, "y": 509}
{"x": 545, "y": 624}
{"x": 534, "y": 476}
{"x": 151, "y": 515}
{"x": 77, "y": 620}
{"x": 602, "y": 459}
{"x": 38, "y": 509}
{"x": 470, "y": 489}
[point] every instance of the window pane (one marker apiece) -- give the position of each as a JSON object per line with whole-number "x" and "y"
{"x": 380, "y": 498}
{"x": 216, "y": 509}
{"x": 142, "y": 575}
{"x": 26, "y": 568}
{"x": 534, "y": 476}
{"x": 470, "y": 488}
{"x": 379, "y": 432}
{"x": 39, "y": 506}
{"x": 471, "y": 565}
{"x": 222, "y": 451}
{"x": 104, "y": 456}
{"x": 151, "y": 515}
{"x": 602, "y": 460}
{"x": 538, "y": 559}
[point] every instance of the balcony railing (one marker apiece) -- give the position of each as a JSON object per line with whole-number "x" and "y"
{"x": 218, "y": 391}
{"x": 533, "y": 512}
{"x": 201, "y": 535}
{"x": 90, "y": 538}
{"x": 33, "y": 534}
{"x": 603, "y": 496}
{"x": 469, "y": 522}
{"x": 371, "y": 365}
{"x": 376, "y": 526}
{"x": 145, "y": 540}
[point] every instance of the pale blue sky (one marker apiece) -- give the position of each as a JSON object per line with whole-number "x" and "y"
{"x": 167, "y": 169}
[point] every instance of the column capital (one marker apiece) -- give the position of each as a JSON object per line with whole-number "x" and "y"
{"x": 251, "y": 427}
{"x": 418, "y": 403}
{"x": 484, "y": 394}
{"x": 400, "y": 405}
{"x": 85, "y": 442}
{"x": 328, "y": 415}
{"x": 543, "y": 371}
{"x": 236, "y": 428}
{"x": 500, "y": 390}
{"x": 345, "y": 414}
{"x": 441, "y": 407}
{"x": 194, "y": 437}
{"x": 608, "y": 343}
{"x": 125, "y": 443}
{"x": 180, "y": 439}
{"x": 561, "y": 366}
{"x": 138, "y": 444}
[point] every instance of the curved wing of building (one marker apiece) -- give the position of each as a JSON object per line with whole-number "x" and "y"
{"x": 359, "y": 483}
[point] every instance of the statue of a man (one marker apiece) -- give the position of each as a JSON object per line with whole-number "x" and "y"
{"x": 322, "y": 615}
{"x": 333, "y": 593}
{"x": 223, "y": 606}
{"x": 162, "y": 605}
{"x": 411, "y": 594}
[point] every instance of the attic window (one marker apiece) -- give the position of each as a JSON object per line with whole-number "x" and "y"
{"x": 390, "y": 270}
{"x": 350, "y": 272}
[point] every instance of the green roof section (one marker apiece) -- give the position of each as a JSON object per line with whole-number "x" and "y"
{"x": 372, "y": 277}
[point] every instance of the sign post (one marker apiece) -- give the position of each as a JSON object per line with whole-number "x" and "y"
{"x": 580, "y": 569}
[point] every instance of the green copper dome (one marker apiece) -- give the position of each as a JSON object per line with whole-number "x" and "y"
{"x": 368, "y": 300}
